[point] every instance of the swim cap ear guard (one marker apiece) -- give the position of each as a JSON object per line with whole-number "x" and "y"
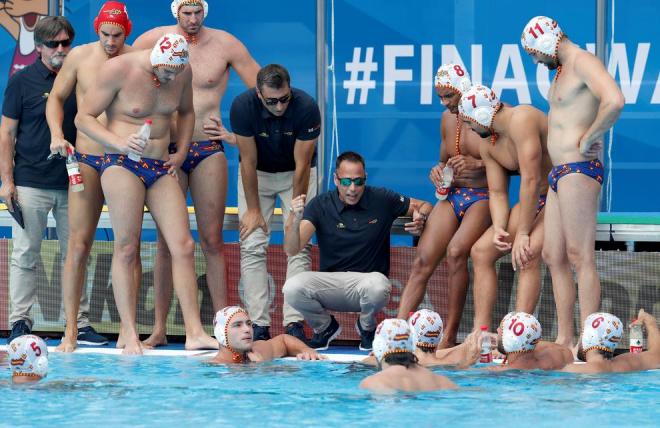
{"x": 426, "y": 328}
{"x": 221, "y": 323}
{"x": 520, "y": 332}
{"x": 115, "y": 13}
{"x": 171, "y": 50}
{"x": 28, "y": 356}
{"x": 452, "y": 76}
{"x": 178, "y": 4}
{"x": 542, "y": 35}
{"x": 601, "y": 331}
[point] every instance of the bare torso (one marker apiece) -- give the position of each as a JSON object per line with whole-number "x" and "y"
{"x": 468, "y": 144}
{"x": 139, "y": 99}
{"x": 399, "y": 378}
{"x": 573, "y": 109}
{"x": 505, "y": 152}
{"x": 210, "y": 71}
{"x": 89, "y": 59}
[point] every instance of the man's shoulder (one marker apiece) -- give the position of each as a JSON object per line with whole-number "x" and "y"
{"x": 303, "y": 98}
{"x": 246, "y": 99}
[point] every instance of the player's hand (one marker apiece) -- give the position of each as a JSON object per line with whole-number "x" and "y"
{"x": 462, "y": 163}
{"x": 298, "y": 206}
{"x": 7, "y": 194}
{"x": 251, "y": 220}
{"x": 436, "y": 176}
{"x": 521, "y": 253}
{"x": 217, "y": 132}
{"x": 310, "y": 355}
{"x": 133, "y": 144}
{"x": 500, "y": 239}
{"x": 416, "y": 226}
{"x": 59, "y": 146}
{"x": 174, "y": 162}
{"x": 590, "y": 149}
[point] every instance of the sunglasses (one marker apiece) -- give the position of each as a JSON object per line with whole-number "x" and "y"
{"x": 53, "y": 44}
{"x": 273, "y": 101}
{"x": 358, "y": 181}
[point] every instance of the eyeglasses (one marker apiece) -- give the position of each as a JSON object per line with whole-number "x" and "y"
{"x": 358, "y": 181}
{"x": 273, "y": 101}
{"x": 53, "y": 44}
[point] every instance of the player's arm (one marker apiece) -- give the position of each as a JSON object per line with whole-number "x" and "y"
{"x": 98, "y": 98}
{"x": 239, "y": 58}
{"x": 286, "y": 345}
{"x": 64, "y": 85}
{"x": 602, "y": 86}
{"x": 435, "y": 175}
{"x": 498, "y": 189}
{"x": 185, "y": 118}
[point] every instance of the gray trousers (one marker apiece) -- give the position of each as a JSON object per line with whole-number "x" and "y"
{"x": 254, "y": 274}
{"x": 26, "y": 251}
{"x": 313, "y": 293}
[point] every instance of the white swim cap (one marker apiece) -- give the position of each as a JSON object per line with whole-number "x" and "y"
{"x": 221, "y": 323}
{"x": 392, "y": 336}
{"x": 479, "y": 104}
{"x": 178, "y": 4}
{"x": 520, "y": 332}
{"x": 426, "y": 328}
{"x": 452, "y": 76}
{"x": 171, "y": 50}
{"x": 542, "y": 35}
{"x": 28, "y": 356}
{"x": 601, "y": 331}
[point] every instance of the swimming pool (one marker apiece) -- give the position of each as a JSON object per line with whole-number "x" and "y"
{"x": 108, "y": 390}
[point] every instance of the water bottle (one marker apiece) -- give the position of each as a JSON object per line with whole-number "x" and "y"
{"x": 144, "y": 133}
{"x": 486, "y": 355}
{"x": 73, "y": 170}
{"x": 447, "y": 178}
{"x": 636, "y": 338}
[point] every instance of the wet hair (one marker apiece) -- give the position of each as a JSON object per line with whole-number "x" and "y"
{"x": 49, "y": 27}
{"x": 582, "y": 356}
{"x": 274, "y": 76}
{"x": 427, "y": 349}
{"x": 406, "y": 359}
{"x": 350, "y": 157}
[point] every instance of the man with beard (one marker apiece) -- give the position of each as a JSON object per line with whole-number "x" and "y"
{"x": 112, "y": 25}
{"x": 585, "y": 101}
{"x": 517, "y": 146}
{"x": 212, "y": 53}
{"x": 233, "y": 329}
{"x": 33, "y": 183}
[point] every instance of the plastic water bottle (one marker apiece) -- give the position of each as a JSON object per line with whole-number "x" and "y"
{"x": 73, "y": 170}
{"x": 447, "y": 178}
{"x": 486, "y": 355}
{"x": 636, "y": 339}
{"x": 144, "y": 133}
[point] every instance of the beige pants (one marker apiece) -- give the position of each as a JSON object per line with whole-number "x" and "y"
{"x": 26, "y": 249}
{"x": 312, "y": 293}
{"x": 254, "y": 273}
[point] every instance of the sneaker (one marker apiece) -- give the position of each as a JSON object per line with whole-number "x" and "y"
{"x": 296, "y": 330}
{"x": 89, "y": 336}
{"x": 366, "y": 337}
{"x": 18, "y": 329}
{"x": 260, "y": 333}
{"x": 321, "y": 341}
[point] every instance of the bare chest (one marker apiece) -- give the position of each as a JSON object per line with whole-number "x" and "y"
{"x": 504, "y": 152}
{"x": 209, "y": 71}
{"x": 140, "y": 101}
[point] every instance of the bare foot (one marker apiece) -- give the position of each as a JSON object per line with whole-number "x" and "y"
{"x": 67, "y": 345}
{"x": 203, "y": 341}
{"x": 155, "y": 340}
{"x": 132, "y": 347}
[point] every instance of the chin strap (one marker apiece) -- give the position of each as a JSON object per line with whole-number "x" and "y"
{"x": 190, "y": 38}
{"x": 156, "y": 81}
{"x": 236, "y": 357}
{"x": 457, "y": 140}
{"x": 558, "y": 73}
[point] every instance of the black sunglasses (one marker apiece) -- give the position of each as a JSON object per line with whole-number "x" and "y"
{"x": 359, "y": 181}
{"x": 53, "y": 44}
{"x": 273, "y": 101}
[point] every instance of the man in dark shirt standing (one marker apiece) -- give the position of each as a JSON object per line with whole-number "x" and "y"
{"x": 29, "y": 176}
{"x": 276, "y": 130}
{"x": 352, "y": 225}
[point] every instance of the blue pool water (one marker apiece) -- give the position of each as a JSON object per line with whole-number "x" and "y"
{"x": 107, "y": 390}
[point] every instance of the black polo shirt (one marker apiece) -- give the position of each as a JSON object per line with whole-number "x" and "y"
{"x": 276, "y": 136}
{"x": 355, "y": 238}
{"x": 25, "y": 101}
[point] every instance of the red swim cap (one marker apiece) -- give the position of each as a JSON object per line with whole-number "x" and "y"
{"x": 113, "y": 12}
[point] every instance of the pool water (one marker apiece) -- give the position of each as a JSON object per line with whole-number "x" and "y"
{"x": 108, "y": 390}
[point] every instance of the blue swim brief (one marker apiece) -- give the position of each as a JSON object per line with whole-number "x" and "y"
{"x": 593, "y": 169}
{"x": 197, "y": 152}
{"x": 461, "y": 198}
{"x": 147, "y": 170}
{"x": 541, "y": 203}
{"x": 95, "y": 162}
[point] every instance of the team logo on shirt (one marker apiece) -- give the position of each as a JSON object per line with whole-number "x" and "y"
{"x": 341, "y": 225}
{"x": 401, "y": 198}
{"x": 288, "y": 133}
{"x": 314, "y": 128}
{"x": 45, "y": 95}
{"x": 263, "y": 134}
{"x": 374, "y": 221}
